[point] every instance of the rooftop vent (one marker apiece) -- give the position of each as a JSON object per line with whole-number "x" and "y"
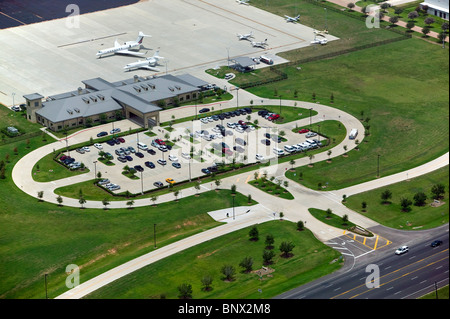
{"x": 145, "y": 87}
{"x": 85, "y": 99}
{"x": 93, "y": 98}
{"x": 69, "y": 111}
{"x": 178, "y": 87}
{"x": 77, "y": 110}
{"x": 171, "y": 88}
{"x": 101, "y": 97}
{"x": 136, "y": 78}
{"x": 137, "y": 88}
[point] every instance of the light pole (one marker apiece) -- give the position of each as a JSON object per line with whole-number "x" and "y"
{"x": 13, "y": 94}
{"x": 310, "y": 114}
{"x": 228, "y": 57}
{"x": 190, "y": 169}
{"x": 378, "y": 165}
{"x": 142, "y": 183}
{"x": 237, "y": 97}
{"x": 95, "y": 169}
{"x": 326, "y": 14}
{"x": 280, "y": 104}
{"x": 45, "y": 279}
{"x": 154, "y": 234}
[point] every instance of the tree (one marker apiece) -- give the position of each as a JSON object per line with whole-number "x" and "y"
{"x": 268, "y": 256}
{"x": 286, "y": 248}
{"x": 444, "y": 26}
{"x": 438, "y": 191}
{"x": 393, "y": 20}
{"x": 425, "y": 31}
{"x": 398, "y": 11}
{"x": 217, "y": 182}
{"x": 269, "y": 241}
{"x": 105, "y": 203}
{"x": 412, "y": 15}
{"x": 442, "y": 36}
{"x": 59, "y": 199}
{"x": 228, "y": 271}
{"x": 405, "y": 203}
{"x": 292, "y": 162}
{"x": 247, "y": 264}
{"x": 363, "y": 206}
{"x": 233, "y": 189}
{"x": 197, "y": 186}
{"x": 185, "y": 291}
{"x": 384, "y": 6}
{"x": 345, "y": 219}
{"x": 428, "y": 21}
{"x": 130, "y": 203}
{"x": 350, "y": 5}
{"x": 419, "y": 199}
{"x": 40, "y": 194}
{"x": 253, "y": 234}
{"x": 82, "y": 201}
{"x": 328, "y": 212}
{"x": 410, "y": 25}
{"x": 385, "y": 196}
{"x": 207, "y": 282}
{"x": 300, "y": 225}
{"x": 329, "y": 154}
{"x": 176, "y": 193}
{"x": 153, "y": 199}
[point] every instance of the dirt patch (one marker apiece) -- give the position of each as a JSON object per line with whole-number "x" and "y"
{"x": 208, "y": 254}
{"x": 264, "y": 271}
{"x": 437, "y": 203}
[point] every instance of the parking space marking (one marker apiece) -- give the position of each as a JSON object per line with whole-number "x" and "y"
{"x": 374, "y": 243}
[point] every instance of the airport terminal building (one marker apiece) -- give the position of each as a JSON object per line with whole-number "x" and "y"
{"x": 138, "y": 99}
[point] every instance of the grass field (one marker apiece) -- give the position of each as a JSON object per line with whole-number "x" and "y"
{"x": 422, "y": 217}
{"x": 311, "y": 260}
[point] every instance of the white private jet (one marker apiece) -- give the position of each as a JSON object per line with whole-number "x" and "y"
{"x": 321, "y": 33}
{"x": 292, "y": 19}
{"x": 261, "y": 44}
{"x": 245, "y": 36}
{"x": 124, "y": 49}
{"x": 319, "y": 41}
{"x": 147, "y": 64}
{"x": 243, "y": 2}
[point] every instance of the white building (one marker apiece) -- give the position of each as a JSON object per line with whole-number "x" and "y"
{"x": 439, "y": 8}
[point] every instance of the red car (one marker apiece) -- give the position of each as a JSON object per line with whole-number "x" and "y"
{"x": 241, "y": 122}
{"x": 273, "y": 117}
{"x": 227, "y": 151}
{"x": 160, "y": 142}
{"x": 303, "y": 130}
{"x": 121, "y": 139}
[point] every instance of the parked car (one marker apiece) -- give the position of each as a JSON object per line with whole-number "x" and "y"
{"x": 79, "y": 150}
{"x": 401, "y": 250}
{"x": 115, "y": 130}
{"x": 240, "y": 141}
{"x": 259, "y": 157}
{"x": 86, "y": 148}
{"x": 158, "y": 184}
{"x": 139, "y": 168}
{"x": 122, "y": 159}
{"x": 311, "y": 134}
{"x": 159, "y": 141}
{"x": 238, "y": 149}
{"x": 161, "y": 161}
{"x": 186, "y": 155}
{"x": 98, "y": 146}
{"x": 274, "y": 117}
{"x": 206, "y": 171}
{"x": 227, "y": 151}
{"x": 151, "y": 151}
{"x": 265, "y": 141}
{"x": 120, "y": 152}
{"x": 149, "y": 164}
{"x": 176, "y": 164}
{"x": 173, "y": 158}
{"x": 303, "y": 130}
{"x": 103, "y": 181}
{"x": 139, "y": 154}
{"x": 129, "y": 158}
{"x": 102, "y": 134}
{"x": 121, "y": 139}
{"x": 131, "y": 149}
{"x": 204, "y": 110}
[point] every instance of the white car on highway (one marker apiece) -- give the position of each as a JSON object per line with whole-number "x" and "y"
{"x": 401, "y": 250}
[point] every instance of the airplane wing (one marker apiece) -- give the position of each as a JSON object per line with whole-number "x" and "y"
{"x": 149, "y": 68}
{"x": 130, "y": 52}
{"x": 116, "y": 44}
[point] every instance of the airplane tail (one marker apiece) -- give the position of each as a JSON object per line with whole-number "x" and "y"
{"x": 156, "y": 55}
{"x": 141, "y": 36}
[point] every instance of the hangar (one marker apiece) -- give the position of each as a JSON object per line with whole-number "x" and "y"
{"x": 139, "y": 99}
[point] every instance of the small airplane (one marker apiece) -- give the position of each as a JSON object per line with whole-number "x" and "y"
{"x": 321, "y": 33}
{"x": 124, "y": 49}
{"x": 261, "y": 44}
{"x": 292, "y": 19}
{"x": 147, "y": 64}
{"x": 245, "y": 36}
{"x": 319, "y": 41}
{"x": 243, "y": 2}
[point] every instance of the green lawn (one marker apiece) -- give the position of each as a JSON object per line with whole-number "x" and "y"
{"x": 391, "y": 215}
{"x": 271, "y": 188}
{"x": 311, "y": 260}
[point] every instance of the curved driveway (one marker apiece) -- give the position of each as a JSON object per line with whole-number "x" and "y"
{"x": 266, "y": 209}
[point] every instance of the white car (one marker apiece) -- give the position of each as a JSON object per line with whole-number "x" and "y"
{"x": 86, "y": 148}
{"x": 186, "y": 155}
{"x": 231, "y": 125}
{"x": 204, "y": 120}
{"x": 173, "y": 158}
{"x": 259, "y": 157}
{"x": 99, "y": 146}
{"x": 401, "y": 250}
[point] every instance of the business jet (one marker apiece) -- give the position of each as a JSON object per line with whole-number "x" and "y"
{"x": 245, "y": 36}
{"x": 261, "y": 44}
{"x": 124, "y": 49}
{"x": 321, "y": 33}
{"x": 292, "y": 19}
{"x": 319, "y": 41}
{"x": 148, "y": 64}
{"x": 243, "y": 2}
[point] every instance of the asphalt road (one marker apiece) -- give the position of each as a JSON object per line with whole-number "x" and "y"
{"x": 406, "y": 276}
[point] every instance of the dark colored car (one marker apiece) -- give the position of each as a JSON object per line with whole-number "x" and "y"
{"x": 139, "y": 154}
{"x": 158, "y": 184}
{"x": 204, "y": 110}
{"x": 266, "y": 142}
{"x": 151, "y": 151}
{"x": 206, "y": 171}
{"x": 176, "y": 165}
{"x": 129, "y": 158}
{"x": 149, "y": 164}
{"x": 102, "y": 134}
{"x": 436, "y": 243}
{"x": 110, "y": 142}
{"x": 139, "y": 168}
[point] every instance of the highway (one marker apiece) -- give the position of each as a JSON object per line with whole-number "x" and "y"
{"x": 406, "y": 276}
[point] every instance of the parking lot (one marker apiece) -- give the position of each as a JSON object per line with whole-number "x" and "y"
{"x": 198, "y": 146}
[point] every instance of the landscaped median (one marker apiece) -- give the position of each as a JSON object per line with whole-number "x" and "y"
{"x": 236, "y": 265}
